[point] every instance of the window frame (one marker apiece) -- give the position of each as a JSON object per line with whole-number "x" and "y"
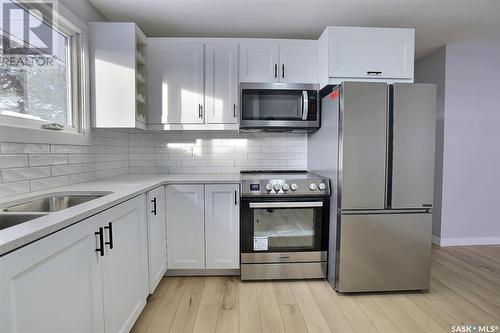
{"x": 18, "y": 129}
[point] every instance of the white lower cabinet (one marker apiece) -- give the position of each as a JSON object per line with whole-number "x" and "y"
{"x": 185, "y": 227}
{"x": 222, "y": 226}
{"x": 157, "y": 238}
{"x": 54, "y": 284}
{"x": 64, "y": 283}
{"x": 203, "y": 226}
{"x": 125, "y": 264}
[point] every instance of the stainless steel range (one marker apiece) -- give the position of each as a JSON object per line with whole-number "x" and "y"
{"x": 284, "y": 225}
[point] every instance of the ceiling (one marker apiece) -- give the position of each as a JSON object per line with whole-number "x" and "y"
{"x": 437, "y": 22}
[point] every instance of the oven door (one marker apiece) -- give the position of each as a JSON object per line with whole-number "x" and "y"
{"x": 280, "y": 226}
{"x": 277, "y": 105}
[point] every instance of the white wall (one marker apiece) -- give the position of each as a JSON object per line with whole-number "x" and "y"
{"x": 471, "y": 142}
{"x": 471, "y": 163}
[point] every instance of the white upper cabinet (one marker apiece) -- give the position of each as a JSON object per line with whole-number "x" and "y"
{"x": 119, "y": 75}
{"x": 176, "y": 82}
{"x": 222, "y": 226}
{"x": 350, "y": 53}
{"x": 221, "y": 83}
{"x": 288, "y": 61}
{"x": 185, "y": 227}
{"x": 299, "y": 61}
{"x": 259, "y": 60}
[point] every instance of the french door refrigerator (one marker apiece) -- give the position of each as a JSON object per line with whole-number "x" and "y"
{"x": 376, "y": 144}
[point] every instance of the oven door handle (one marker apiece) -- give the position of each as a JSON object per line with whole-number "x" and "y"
{"x": 292, "y": 204}
{"x": 305, "y": 105}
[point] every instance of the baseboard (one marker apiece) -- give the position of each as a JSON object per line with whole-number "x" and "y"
{"x": 465, "y": 241}
{"x": 201, "y": 272}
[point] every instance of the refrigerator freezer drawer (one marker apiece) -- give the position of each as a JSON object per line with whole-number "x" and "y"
{"x": 384, "y": 252}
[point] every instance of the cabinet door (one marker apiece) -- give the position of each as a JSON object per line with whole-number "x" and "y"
{"x": 176, "y": 82}
{"x": 259, "y": 61}
{"x": 54, "y": 284}
{"x": 125, "y": 272}
{"x": 222, "y": 225}
{"x": 185, "y": 227}
{"x": 371, "y": 52}
{"x": 221, "y": 83}
{"x": 157, "y": 238}
{"x": 299, "y": 61}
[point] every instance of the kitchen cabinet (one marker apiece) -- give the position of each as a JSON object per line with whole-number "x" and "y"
{"x": 222, "y": 225}
{"x": 176, "y": 82}
{"x": 356, "y": 53}
{"x": 118, "y": 75}
{"x": 221, "y": 83}
{"x": 157, "y": 238}
{"x": 193, "y": 84}
{"x": 185, "y": 227}
{"x": 259, "y": 60}
{"x": 203, "y": 226}
{"x": 54, "y": 284}
{"x": 89, "y": 277}
{"x": 287, "y": 61}
{"x": 125, "y": 264}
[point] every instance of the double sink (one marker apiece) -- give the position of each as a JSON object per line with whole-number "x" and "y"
{"x": 33, "y": 208}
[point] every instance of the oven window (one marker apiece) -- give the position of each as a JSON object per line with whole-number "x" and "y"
{"x": 286, "y": 228}
{"x": 271, "y": 104}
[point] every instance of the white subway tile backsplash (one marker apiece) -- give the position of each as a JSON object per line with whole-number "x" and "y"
{"x": 24, "y": 148}
{"x": 67, "y": 169}
{"x": 42, "y": 166}
{"x": 45, "y": 183}
{"x": 13, "y": 175}
{"x": 32, "y": 166}
{"x": 10, "y": 189}
{"x": 48, "y": 159}
{"x": 13, "y": 161}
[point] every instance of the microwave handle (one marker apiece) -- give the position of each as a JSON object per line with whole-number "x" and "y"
{"x": 305, "y": 105}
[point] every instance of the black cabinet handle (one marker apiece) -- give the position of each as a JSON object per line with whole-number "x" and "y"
{"x": 235, "y": 198}
{"x": 283, "y": 70}
{"x": 110, "y": 234}
{"x": 200, "y": 111}
{"x": 374, "y": 73}
{"x": 275, "y": 70}
{"x": 154, "y": 206}
{"x": 100, "y": 249}
{"x": 234, "y": 110}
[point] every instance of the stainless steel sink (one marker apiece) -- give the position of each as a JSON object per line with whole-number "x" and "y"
{"x": 52, "y": 203}
{"x": 9, "y": 220}
{"x": 31, "y": 208}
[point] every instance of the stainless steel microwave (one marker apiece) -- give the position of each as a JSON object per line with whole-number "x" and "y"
{"x": 279, "y": 107}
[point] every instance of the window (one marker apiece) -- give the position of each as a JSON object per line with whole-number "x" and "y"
{"x": 43, "y": 68}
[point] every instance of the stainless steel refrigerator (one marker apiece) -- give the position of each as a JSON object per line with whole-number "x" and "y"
{"x": 376, "y": 144}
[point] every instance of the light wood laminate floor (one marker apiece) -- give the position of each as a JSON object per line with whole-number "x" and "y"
{"x": 465, "y": 289}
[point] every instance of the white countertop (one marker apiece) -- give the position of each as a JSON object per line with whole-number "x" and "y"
{"x": 122, "y": 188}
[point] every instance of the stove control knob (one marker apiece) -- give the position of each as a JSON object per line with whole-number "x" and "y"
{"x": 293, "y": 187}
{"x": 269, "y": 187}
{"x": 277, "y": 187}
{"x": 322, "y": 186}
{"x": 313, "y": 187}
{"x": 285, "y": 187}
